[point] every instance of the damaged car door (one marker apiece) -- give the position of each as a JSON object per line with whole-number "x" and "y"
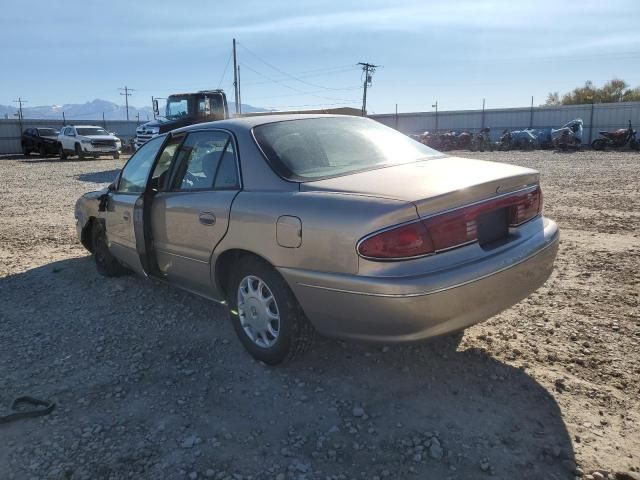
{"x": 121, "y": 202}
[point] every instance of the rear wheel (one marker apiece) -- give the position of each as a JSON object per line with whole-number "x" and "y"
{"x": 598, "y": 144}
{"x": 61, "y": 152}
{"x": 106, "y": 263}
{"x": 265, "y": 314}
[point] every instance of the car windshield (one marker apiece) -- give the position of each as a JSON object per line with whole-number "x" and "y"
{"x": 91, "y": 131}
{"x": 47, "y": 132}
{"x": 310, "y": 149}
{"x": 177, "y": 108}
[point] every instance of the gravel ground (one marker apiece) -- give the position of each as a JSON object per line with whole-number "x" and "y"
{"x": 150, "y": 382}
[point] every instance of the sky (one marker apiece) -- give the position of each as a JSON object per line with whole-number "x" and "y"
{"x": 299, "y": 55}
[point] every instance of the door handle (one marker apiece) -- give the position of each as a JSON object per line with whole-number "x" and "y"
{"x": 207, "y": 218}
{"x": 126, "y": 216}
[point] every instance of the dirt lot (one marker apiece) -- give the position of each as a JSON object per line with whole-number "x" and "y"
{"x": 150, "y": 382}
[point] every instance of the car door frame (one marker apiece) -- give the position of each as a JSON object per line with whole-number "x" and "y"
{"x": 146, "y": 245}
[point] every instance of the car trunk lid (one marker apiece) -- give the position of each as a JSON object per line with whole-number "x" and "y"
{"x": 434, "y": 185}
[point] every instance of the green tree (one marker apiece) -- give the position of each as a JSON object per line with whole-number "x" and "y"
{"x": 615, "y": 90}
{"x": 553, "y": 99}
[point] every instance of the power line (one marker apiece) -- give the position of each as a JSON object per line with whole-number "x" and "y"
{"x": 315, "y": 85}
{"x": 294, "y": 88}
{"x": 225, "y": 70}
{"x": 126, "y": 97}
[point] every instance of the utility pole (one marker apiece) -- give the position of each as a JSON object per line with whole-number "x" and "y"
{"x": 104, "y": 123}
{"x": 239, "y": 92}
{"x": 235, "y": 78}
{"x": 64, "y": 120}
{"x": 126, "y": 97}
{"x": 20, "y": 101}
{"x": 153, "y": 107}
{"x": 482, "y": 113}
{"x": 396, "y": 116}
{"x": 531, "y": 116}
{"x": 436, "y": 105}
{"x": 368, "y": 69}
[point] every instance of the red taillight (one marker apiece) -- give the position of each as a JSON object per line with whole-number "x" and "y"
{"x": 449, "y": 230}
{"x": 410, "y": 240}
{"x": 528, "y": 206}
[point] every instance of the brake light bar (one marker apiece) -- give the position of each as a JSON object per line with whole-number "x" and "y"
{"x": 449, "y": 230}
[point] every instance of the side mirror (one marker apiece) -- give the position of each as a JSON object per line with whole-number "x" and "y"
{"x": 156, "y": 108}
{"x": 112, "y": 186}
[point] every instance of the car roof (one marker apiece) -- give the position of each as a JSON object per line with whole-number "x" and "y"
{"x": 85, "y": 126}
{"x": 247, "y": 123}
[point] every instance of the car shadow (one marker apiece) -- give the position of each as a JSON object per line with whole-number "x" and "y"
{"x": 105, "y": 176}
{"x": 164, "y": 376}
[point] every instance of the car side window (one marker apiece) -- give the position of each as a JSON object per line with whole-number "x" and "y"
{"x": 162, "y": 169}
{"x": 205, "y": 157}
{"x": 227, "y": 175}
{"x": 135, "y": 173}
{"x": 69, "y": 132}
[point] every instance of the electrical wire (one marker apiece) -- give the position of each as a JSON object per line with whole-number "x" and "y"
{"x": 225, "y": 70}
{"x": 294, "y": 88}
{"x": 298, "y": 79}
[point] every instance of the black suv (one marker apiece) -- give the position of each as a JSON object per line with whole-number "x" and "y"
{"x": 41, "y": 140}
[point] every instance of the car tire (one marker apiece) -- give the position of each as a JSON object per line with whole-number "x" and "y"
{"x": 293, "y": 332}
{"x": 42, "y": 151}
{"x": 61, "y": 152}
{"x": 116, "y": 156}
{"x": 79, "y": 152}
{"x": 106, "y": 264}
{"x": 25, "y": 150}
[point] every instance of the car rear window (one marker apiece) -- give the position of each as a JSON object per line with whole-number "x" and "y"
{"x": 315, "y": 148}
{"x": 47, "y": 132}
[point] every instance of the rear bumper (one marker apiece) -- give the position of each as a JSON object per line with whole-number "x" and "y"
{"x": 401, "y": 309}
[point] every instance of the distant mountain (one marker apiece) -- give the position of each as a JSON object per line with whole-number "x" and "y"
{"x": 94, "y": 109}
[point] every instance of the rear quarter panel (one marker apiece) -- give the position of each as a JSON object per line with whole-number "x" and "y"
{"x": 332, "y": 224}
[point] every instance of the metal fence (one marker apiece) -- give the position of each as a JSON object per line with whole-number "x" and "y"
{"x": 10, "y": 130}
{"x": 599, "y": 116}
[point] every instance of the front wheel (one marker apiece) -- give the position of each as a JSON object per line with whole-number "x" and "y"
{"x": 61, "y": 152}
{"x": 598, "y": 144}
{"x": 116, "y": 156}
{"x": 79, "y": 152}
{"x": 265, "y": 314}
{"x": 25, "y": 150}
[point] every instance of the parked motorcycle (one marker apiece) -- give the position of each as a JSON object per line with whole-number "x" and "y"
{"x": 522, "y": 139}
{"x": 464, "y": 140}
{"x": 568, "y": 136}
{"x": 482, "y": 141}
{"x": 617, "y": 139}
